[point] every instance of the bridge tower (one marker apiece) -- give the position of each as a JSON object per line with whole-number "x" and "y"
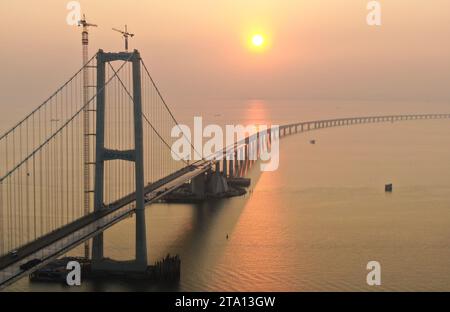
{"x": 137, "y": 156}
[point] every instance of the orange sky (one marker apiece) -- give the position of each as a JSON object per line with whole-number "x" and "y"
{"x": 321, "y": 49}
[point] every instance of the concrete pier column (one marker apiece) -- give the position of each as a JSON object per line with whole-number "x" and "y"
{"x": 247, "y": 153}
{"x": 241, "y": 161}
{"x": 257, "y": 146}
{"x": 246, "y": 156}
{"x": 217, "y": 166}
{"x": 231, "y": 168}
{"x": 198, "y": 186}
{"x": 224, "y": 165}
{"x": 236, "y": 164}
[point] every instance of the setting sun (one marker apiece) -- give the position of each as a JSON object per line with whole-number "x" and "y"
{"x": 258, "y": 40}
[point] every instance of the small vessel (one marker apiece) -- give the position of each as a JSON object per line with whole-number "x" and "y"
{"x": 312, "y": 142}
{"x": 388, "y": 188}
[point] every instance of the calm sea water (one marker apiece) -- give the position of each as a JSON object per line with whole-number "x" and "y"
{"x": 314, "y": 224}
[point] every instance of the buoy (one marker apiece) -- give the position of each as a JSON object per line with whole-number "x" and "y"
{"x": 388, "y": 188}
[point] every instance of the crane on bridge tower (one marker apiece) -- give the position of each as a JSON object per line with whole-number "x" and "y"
{"x": 125, "y": 34}
{"x": 85, "y": 34}
{"x": 86, "y": 123}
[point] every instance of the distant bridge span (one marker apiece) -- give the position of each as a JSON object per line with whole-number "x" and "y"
{"x": 338, "y": 122}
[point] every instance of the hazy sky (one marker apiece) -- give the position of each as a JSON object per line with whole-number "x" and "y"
{"x": 319, "y": 49}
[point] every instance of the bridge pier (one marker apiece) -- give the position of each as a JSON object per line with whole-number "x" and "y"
{"x": 212, "y": 182}
{"x": 247, "y": 154}
{"x": 242, "y": 161}
{"x": 198, "y": 186}
{"x": 231, "y": 168}
{"x": 224, "y": 165}
{"x": 239, "y": 162}
{"x": 217, "y": 165}
{"x": 236, "y": 163}
{"x": 217, "y": 184}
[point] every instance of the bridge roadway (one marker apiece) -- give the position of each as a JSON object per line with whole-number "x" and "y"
{"x": 71, "y": 235}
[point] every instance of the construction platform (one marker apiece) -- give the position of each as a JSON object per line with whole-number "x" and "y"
{"x": 167, "y": 269}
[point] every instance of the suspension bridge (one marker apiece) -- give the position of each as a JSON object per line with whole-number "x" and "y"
{"x": 45, "y": 171}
